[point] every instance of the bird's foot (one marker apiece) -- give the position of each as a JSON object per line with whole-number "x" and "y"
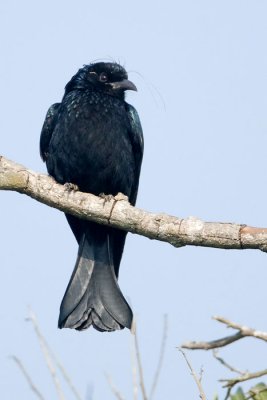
{"x": 71, "y": 187}
{"x": 120, "y": 196}
{"x": 106, "y": 197}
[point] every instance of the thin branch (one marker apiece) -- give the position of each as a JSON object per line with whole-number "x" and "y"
{"x": 161, "y": 357}
{"x": 225, "y": 364}
{"x": 47, "y": 357}
{"x": 113, "y": 388}
{"x": 231, "y": 368}
{"x": 193, "y": 373}
{"x": 230, "y": 383}
{"x": 243, "y": 331}
{"x": 117, "y": 212}
{"x": 228, "y": 394}
{"x": 213, "y": 344}
{"x": 134, "y": 371}
{"x": 65, "y": 375}
{"x": 201, "y": 372}
{"x": 139, "y": 364}
{"x": 27, "y": 377}
{"x": 256, "y": 391}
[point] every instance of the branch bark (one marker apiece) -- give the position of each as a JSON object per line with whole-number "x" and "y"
{"x": 243, "y": 331}
{"x": 195, "y": 377}
{"x": 117, "y": 212}
{"x": 230, "y": 383}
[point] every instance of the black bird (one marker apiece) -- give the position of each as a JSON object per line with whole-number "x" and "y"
{"x": 93, "y": 139}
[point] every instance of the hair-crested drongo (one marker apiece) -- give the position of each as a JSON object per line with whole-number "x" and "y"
{"x": 93, "y": 139}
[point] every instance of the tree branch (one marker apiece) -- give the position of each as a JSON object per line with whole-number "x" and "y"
{"x": 161, "y": 357}
{"x": 213, "y": 344}
{"x": 50, "y": 357}
{"x": 27, "y": 377}
{"x": 243, "y": 331}
{"x": 230, "y": 383}
{"x": 226, "y": 364}
{"x": 113, "y": 388}
{"x": 195, "y": 377}
{"x": 139, "y": 364}
{"x": 47, "y": 357}
{"x": 117, "y": 212}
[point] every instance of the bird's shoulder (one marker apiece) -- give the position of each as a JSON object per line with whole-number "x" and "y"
{"x": 136, "y": 131}
{"x": 137, "y": 140}
{"x": 48, "y": 128}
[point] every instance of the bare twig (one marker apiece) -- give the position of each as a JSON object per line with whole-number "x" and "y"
{"x": 27, "y": 376}
{"x": 243, "y": 331}
{"x": 62, "y": 370}
{"x": 118, "y": 213}
{"x": 228, "y": 394}
{"x": 113, "y": 388}
{"x": 134, "y": 371}
{"x": 201, "y": 372}
{"x": 256, "y": 391}
{"x": 213, "y": 344}
{"x": 193, "y": 373}
{"x": 225, "y": 364}
{"x": 161, "y": 357}
{"x": 65, "y": 375}
{"x": 230, "y": 383}
{"x": 139, "y": 364}
{"x": 47, "y": 357}
{"x": 140, "y": 368}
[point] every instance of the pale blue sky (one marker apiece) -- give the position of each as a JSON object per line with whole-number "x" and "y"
{"x": 200, "y": 68}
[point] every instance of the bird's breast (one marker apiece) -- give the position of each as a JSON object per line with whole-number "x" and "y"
{"x": 91, "y": 146}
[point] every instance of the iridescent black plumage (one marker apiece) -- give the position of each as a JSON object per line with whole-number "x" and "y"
{"x": 94, "y": 139}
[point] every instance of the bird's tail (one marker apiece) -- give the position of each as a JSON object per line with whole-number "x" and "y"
{"x": 93, "y": 296}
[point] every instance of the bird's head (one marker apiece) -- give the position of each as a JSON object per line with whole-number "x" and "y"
{"x": 106, "y": 77}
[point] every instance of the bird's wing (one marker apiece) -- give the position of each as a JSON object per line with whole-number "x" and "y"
{"x": 47, "y": 129}
{"x": 137, "y": 139}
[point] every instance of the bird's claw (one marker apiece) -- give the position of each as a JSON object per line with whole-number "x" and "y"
{"x": 106, "y": 197}
{"x": 71, "y": 187}
{"x": 120, "y": 196}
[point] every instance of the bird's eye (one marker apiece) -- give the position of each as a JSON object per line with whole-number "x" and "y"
{"x": 103, "y": 77}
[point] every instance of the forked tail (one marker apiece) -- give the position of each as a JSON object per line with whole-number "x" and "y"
{"x": 93, "y": 296}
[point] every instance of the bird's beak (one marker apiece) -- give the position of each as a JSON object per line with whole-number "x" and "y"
{"x": 123, "y": 85}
